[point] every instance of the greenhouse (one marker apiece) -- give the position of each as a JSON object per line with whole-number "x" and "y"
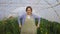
{"x": 47, "y": 10}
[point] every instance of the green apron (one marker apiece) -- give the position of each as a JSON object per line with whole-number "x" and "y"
{"x": 29, "y": 26}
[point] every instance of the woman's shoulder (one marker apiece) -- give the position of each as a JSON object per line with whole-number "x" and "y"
{"x": 35, "y": 16}
{"x": 23, "y": 15}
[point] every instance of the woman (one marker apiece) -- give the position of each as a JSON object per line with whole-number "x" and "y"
{"x": 28, "y": 22}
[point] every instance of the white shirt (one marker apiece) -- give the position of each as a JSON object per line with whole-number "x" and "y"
{"x": 28, "y": 16}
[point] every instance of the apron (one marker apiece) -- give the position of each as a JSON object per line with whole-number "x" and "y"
{"x": 29, "y": 26}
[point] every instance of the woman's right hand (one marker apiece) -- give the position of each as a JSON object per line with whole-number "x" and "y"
{"x": 19, "y": 26}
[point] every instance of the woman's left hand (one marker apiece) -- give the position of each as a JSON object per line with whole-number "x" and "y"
{"x": 37, "y": 26}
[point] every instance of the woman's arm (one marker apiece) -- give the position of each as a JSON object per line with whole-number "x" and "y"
{"x": 38, "y": 22}
{"x": 19, "y": 22}
{"x": 35, "y": 16}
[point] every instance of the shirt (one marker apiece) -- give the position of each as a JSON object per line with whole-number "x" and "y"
{"x": 24, "y": 16}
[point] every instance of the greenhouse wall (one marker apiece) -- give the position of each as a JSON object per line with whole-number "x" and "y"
{"x": 48, "y": 9}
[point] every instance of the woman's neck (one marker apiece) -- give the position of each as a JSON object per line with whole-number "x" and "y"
{"x": 29, "y": 14}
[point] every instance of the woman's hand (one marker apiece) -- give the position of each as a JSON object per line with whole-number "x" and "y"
{"x": 38, "y": 26}
{"x": 19, "y": 26}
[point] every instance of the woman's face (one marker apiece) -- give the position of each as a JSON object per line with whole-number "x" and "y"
{"x": 29, "y": 11}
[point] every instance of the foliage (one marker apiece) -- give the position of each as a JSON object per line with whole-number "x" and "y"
{"x": 48, "y": 27}
{"x": 10, "y": 26}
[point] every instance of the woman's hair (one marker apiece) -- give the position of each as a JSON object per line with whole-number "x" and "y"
{"x": 28, "y": 7}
